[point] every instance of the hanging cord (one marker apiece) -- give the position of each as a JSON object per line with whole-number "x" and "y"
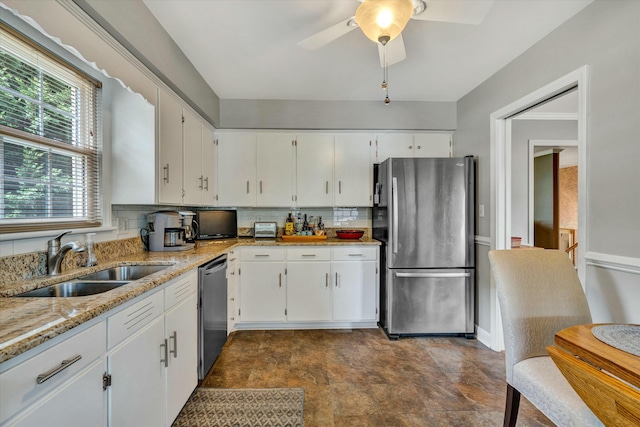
{"x": 385, "y": 83}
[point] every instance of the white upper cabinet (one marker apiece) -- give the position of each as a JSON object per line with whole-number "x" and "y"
{"x": 193, "y": 178}
{"x": 352, "y": 170}
{"x": 170, "y": 137}
{"x": 433, "y": 144}
{"x": 428, "y": 144}
{"x": 275, "y": 169}
{"x": 209, "y": 165}
{"x": 236, "y": 169}
{"x": 393, "y": 145}
{"x": 314, "y": 170}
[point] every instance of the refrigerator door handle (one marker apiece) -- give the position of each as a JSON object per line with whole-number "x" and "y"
{"x": 394, "y": 202}
{"x": 422, "y": 275}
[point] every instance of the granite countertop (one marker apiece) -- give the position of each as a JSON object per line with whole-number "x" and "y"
{"x": 28, "y": 322}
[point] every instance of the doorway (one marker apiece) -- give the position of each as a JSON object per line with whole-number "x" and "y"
{"x": 501, "y": 173}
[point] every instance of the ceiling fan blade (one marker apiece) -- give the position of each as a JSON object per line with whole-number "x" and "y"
{"x": 457, "y": 11}
{"x": 395, "y": 51}
{"x": 330, "y": 34}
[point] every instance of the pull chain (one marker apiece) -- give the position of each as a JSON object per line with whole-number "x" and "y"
{"x": 385, "y": 79}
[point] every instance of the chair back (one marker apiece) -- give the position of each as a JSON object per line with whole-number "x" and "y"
{"x": 539, "y": 294}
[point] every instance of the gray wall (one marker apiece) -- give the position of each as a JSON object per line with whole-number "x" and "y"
{"x": 278, "y": 114}
{"x": 521, "y": 132}
{"x": 133, "y": 25}
{"x": 605, "y": 36}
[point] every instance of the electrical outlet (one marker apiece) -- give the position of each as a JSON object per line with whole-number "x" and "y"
{"x": 123, "y": 224}
{"x": 481, "y": 211}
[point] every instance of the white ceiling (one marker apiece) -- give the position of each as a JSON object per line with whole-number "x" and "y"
{"x": 247, "y": 49}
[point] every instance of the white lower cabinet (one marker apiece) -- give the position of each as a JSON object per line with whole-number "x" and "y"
{"x": 44, "y": 389}
{"x": 262, "y": 292}
{"x": 306, "y": 285}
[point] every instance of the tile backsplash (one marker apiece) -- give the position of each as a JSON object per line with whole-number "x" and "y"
{"x": 131, "y": 218}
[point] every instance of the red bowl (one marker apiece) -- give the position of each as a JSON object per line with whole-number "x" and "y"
{"x": 349, "y": 234}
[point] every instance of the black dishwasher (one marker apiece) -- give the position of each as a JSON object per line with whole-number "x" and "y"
{"x": 212, "y": 312}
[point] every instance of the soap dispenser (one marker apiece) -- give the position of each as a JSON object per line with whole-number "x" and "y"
{"x": 91, "y": 255}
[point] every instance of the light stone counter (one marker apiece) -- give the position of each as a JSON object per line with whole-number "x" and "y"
{"x": 28, "y": 322}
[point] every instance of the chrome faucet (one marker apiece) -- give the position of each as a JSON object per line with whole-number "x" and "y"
{"x": 55, "y": 253}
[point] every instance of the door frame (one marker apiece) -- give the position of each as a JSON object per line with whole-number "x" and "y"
{"x": 500, "y": 169}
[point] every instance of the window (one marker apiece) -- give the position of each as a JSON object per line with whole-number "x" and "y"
{"x": 49, "y": 140}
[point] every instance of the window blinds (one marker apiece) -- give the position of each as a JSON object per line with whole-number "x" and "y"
{"x": 50, "y": 154}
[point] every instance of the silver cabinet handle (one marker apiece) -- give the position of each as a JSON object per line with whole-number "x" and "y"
{"x": 336, "y": 280}
{"x": 410, "y": 147}
{"x": 326, "y": 187}
{"x": 166, "y": 173}
{"x": 260, "y": 186}
{"x": 418, "y": 147}
{"x": 326, "y": 280}
{"x": 63, "y": 365}
{"x": 357, "y": 255}
{"x": 174, "y": 337}
{"x": 339, "y": 187}
{"x": 308, "y": 255}
{"x": 432, "y": 275}
{"x": 279, "y": 280}
{"x": 394, "y": 197}
{"x": 247, "y": 186}
{"x": 201, "y": 186}
{"x": 164, "y": 348}
{"x": 206, "y": 183}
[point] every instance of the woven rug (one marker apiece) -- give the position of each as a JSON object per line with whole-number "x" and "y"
{"x": 224, "y": 407}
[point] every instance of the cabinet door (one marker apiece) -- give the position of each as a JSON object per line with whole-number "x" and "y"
{"x": 275, "y": 172}
{"x": 181, "y": 329}
{"x": 170, "y": 137}
{"x": 193, "y": 177}
{"x": 308, "y": 291}
{"x": 137, "y": 392}
{"x": 81, "y": 402}
{"x": 209, "y": 162}
{"x": 354, "y": 290}
{"x": 262, "y": 291}
{"x": 236, "y": 169}
{"x": 314, "y": 170}
{"x": 353, "y": 170}
{"x": 393, "y": 145}
{"x": 432, "y": 144}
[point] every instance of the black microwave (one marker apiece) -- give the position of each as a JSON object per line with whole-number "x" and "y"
{"x": 217, "y": 224}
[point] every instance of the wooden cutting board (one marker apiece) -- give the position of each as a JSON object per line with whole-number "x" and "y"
{"x": 303, "y": 238}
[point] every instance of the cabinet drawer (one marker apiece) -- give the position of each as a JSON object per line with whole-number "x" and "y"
{"x": 181, "y": 289}
{"x": 18, "y": 385}
{"x": 134, "y": 318}
{"x": 309, "y": 253}
{"x": 354, "y": 253}
{"x": 262, "y": 254}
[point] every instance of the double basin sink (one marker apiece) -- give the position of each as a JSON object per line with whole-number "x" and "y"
{"x": 96, "y": 283}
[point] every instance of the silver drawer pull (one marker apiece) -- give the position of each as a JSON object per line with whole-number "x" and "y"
{"x": 63, "y": 365}
{"x": 357, "y": 255}
{"x": 261, "y": 255}
{"x": 174, "y": 337}
{"x": 308, "y": 255}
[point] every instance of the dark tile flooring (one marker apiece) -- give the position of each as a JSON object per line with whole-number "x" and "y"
{"x": 360, "y": 378}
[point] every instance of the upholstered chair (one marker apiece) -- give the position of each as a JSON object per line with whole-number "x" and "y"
{"x": 539, "y": 294}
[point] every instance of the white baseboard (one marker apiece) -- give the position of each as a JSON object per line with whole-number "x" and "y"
{"x": 483, "y": 336}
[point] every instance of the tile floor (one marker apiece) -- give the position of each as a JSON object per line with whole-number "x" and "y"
{"x": 360, "y": 378}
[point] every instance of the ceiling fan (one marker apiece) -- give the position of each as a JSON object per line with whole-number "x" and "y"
{"x": 455, "y": 11}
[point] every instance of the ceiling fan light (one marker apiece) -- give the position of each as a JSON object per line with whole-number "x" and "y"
{"x": 383, "y": 18}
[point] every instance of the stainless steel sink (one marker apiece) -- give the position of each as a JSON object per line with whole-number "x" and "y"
{"x": 74, "y": 289}
{"x": 126, "y": 272}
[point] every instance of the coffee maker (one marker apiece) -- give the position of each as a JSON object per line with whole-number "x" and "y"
{"x": 190, "y": 226}
{"x": 167, "y": 232}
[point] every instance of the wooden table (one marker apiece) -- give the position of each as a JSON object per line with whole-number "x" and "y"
{"x": 606, "y": 378}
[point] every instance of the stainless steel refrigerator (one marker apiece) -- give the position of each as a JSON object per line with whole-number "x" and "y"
{"x": 424, "y": 215}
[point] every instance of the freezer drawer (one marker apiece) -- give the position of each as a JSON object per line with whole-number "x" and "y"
{"x": 434, "y": 301}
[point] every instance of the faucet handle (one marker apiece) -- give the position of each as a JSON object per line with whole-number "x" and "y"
{"x": 55, "y": 242}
